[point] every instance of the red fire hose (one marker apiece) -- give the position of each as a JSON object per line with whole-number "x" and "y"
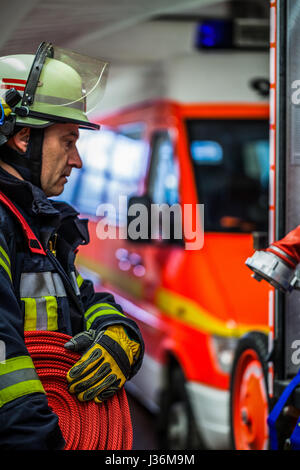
{"x": 288, "y": 248}
{"x": 84, "y": 425}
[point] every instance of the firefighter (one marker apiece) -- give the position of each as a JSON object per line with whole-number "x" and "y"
{"x": 45, "y": 100}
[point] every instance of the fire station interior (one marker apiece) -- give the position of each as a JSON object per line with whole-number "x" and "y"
{"x": 200, "y": 111}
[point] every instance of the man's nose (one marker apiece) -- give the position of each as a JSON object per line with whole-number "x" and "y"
{"x": 74, "y": 159}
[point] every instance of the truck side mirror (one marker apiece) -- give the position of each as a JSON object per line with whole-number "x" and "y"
{"x": 139, "y": 219}
{"x": 140, "y": 224}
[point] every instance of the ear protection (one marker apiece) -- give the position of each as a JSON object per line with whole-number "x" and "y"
{"x": 28, "y": 164}
{"x": 8, "y": 118}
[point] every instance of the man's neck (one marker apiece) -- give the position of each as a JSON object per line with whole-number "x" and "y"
{"x": 10, "y": 170}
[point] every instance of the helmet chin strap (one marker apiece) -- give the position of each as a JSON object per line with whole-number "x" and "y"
{"x": 28, "y": 164}
{"x": 34, "y": 151}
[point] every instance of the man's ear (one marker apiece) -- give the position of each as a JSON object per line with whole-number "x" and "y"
{"x": 20, "y": 140}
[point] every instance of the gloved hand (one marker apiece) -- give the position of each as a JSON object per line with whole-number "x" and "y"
{"x": 105, "y": 364}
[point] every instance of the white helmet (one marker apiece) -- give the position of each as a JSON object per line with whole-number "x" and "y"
{"x": 56, "y": 85}
{"x": 53, "y": 86}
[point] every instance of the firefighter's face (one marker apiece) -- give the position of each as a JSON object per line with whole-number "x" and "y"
{"x": 60, "y": 155}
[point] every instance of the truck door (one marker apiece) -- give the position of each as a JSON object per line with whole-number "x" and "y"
{"x": 154, "y": 257}
{"x": 154, "y": 254}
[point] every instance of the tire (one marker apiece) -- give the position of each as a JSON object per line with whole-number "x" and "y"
{"x": 176, "y": 425}
{"x": 249, "y": 398}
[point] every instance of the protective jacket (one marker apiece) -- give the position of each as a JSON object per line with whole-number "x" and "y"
{"x": 41, "y": 292}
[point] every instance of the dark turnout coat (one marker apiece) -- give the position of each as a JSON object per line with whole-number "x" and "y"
{"x": 41, "y": 292}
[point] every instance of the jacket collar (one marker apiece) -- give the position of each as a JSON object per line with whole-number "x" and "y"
{"x": 27, "y": 196}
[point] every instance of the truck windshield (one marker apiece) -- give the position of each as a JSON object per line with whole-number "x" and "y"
{"x": 230, "y": 159}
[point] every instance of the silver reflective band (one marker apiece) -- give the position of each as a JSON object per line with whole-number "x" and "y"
{"x": 2, "y": 351}
{"x": 17, "y": 376}
{"x": 41, "y": 285}
{"x": 41, "y": 314}
{"x": 54, "y": 100}
{"x": 75, "y": 285}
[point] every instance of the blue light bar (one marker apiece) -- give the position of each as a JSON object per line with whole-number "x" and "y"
{"x": 214, "y": 34}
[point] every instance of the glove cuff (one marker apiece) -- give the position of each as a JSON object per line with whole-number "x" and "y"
{"x": 130, "y": 346}
{"x": 118, "y": 353}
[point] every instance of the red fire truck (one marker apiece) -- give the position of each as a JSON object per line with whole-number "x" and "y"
{"x": 206, "y": 141}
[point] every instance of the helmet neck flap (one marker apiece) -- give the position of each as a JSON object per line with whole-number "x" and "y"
{"x": 28, "y": 164}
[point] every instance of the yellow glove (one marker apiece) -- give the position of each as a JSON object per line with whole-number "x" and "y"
{"x": 105, "y": 365}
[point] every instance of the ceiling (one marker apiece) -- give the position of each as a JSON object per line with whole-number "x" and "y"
{"x": 99, "y": 27}
{"x": 136, "y": 36}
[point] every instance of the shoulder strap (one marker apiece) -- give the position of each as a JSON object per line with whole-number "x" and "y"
{"x": 36, "y": 247}
{"x": 33, "y": 243}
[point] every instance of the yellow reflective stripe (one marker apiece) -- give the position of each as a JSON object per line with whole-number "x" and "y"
{"x": 5, "y": 262}
{"x": 98, "y": 314}
{"x": 30, "y": 314}
{"x": 5, "y": 254}
{"x": 99, "y": 310}
{"x": 79, "y": 280}
{"x": 2, "y": 263}
{"x": 192, "y": 314}
{"x": 171, "y": 304}
{"x": 51, "y": 307}
{"x": 15, "y": 363}
{"x": 42, "y": 318}
{"x": 18, "y": 390}
{"x": 18, "y": 377}
{"x": 102, "y": 306}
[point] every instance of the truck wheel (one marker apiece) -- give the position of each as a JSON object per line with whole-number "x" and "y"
{"x": 249, "y": 399}
{"x": 176, "y": 425}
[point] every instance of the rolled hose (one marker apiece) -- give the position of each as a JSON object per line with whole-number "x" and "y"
{"x": 84, "y": 425}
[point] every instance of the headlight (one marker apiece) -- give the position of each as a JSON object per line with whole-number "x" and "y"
{"x": 223, "y": 350}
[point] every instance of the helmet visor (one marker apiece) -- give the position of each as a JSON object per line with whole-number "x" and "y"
{"x": 70, "y": 81}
